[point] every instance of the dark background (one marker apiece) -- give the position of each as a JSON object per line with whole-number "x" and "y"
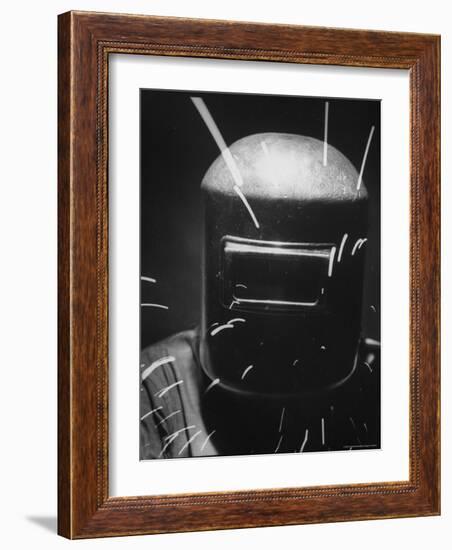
{"x": 176, "y": 151}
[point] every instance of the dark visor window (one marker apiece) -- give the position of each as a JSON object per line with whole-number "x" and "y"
{"x": 273, "y": 275}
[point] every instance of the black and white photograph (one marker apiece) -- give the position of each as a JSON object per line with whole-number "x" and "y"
{"x": 260, "y": 274}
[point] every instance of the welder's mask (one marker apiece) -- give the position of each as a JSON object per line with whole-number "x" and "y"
{"x": 285, "y": 232}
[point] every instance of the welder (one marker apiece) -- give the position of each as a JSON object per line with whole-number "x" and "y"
{"x": 279, "y": 362}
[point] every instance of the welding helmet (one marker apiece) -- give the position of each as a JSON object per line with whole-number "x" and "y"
{"x": 284, "y": 245}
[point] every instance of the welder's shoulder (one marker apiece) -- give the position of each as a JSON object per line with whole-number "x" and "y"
{"x": 178, "y": 349}
{"x": 168, "y": 373}
{"x": 170, "y": 361}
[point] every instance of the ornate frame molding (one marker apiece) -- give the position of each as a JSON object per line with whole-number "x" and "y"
{"x": 85, "y": 42}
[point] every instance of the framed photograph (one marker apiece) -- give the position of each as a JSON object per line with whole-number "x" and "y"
{"x": 248, "y": 275}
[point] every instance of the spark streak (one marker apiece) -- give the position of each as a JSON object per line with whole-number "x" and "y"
{"x": 220, "y": 328}
{"x": 304, "y": 441}
{"x": 169, "y": 416}
{"x": 212, "y": 384}
{"x": 247, "y": 205}
{"x": 155, "y": 305}
{"x": 323, "y": 431}
{"x": 246, "y": 371}
{"x": 279, "y": 444}
{"x": 368, "y": 366}
{"x": 363, "y": 163}
{"x": 354, "y": 428}
{"x": 325, "y": 134}
{"x": 168, "y": 443}
{"x": 161, "y": 393}
{"x": 216, "y": 134}
{"x": 177, "y": 432}
{"x": 361, "y": 243}
{"x": 236, "y": 320}
{"x": 330, "y": 265}
{"x": 357, "y": 245}
{"x": 156, "y": 364}
{"x": 282, "y": 419}
{"x": 192, "y": 438}
{"x": 372, "y": 342}
{"x": 150, "y": 412}
{"x": 341, "y": 248}
{"x": 207, "y": 439}
{"x": 148, "y": 279}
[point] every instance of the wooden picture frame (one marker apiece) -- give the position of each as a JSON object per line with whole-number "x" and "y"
{"x": 86, "y": 40}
